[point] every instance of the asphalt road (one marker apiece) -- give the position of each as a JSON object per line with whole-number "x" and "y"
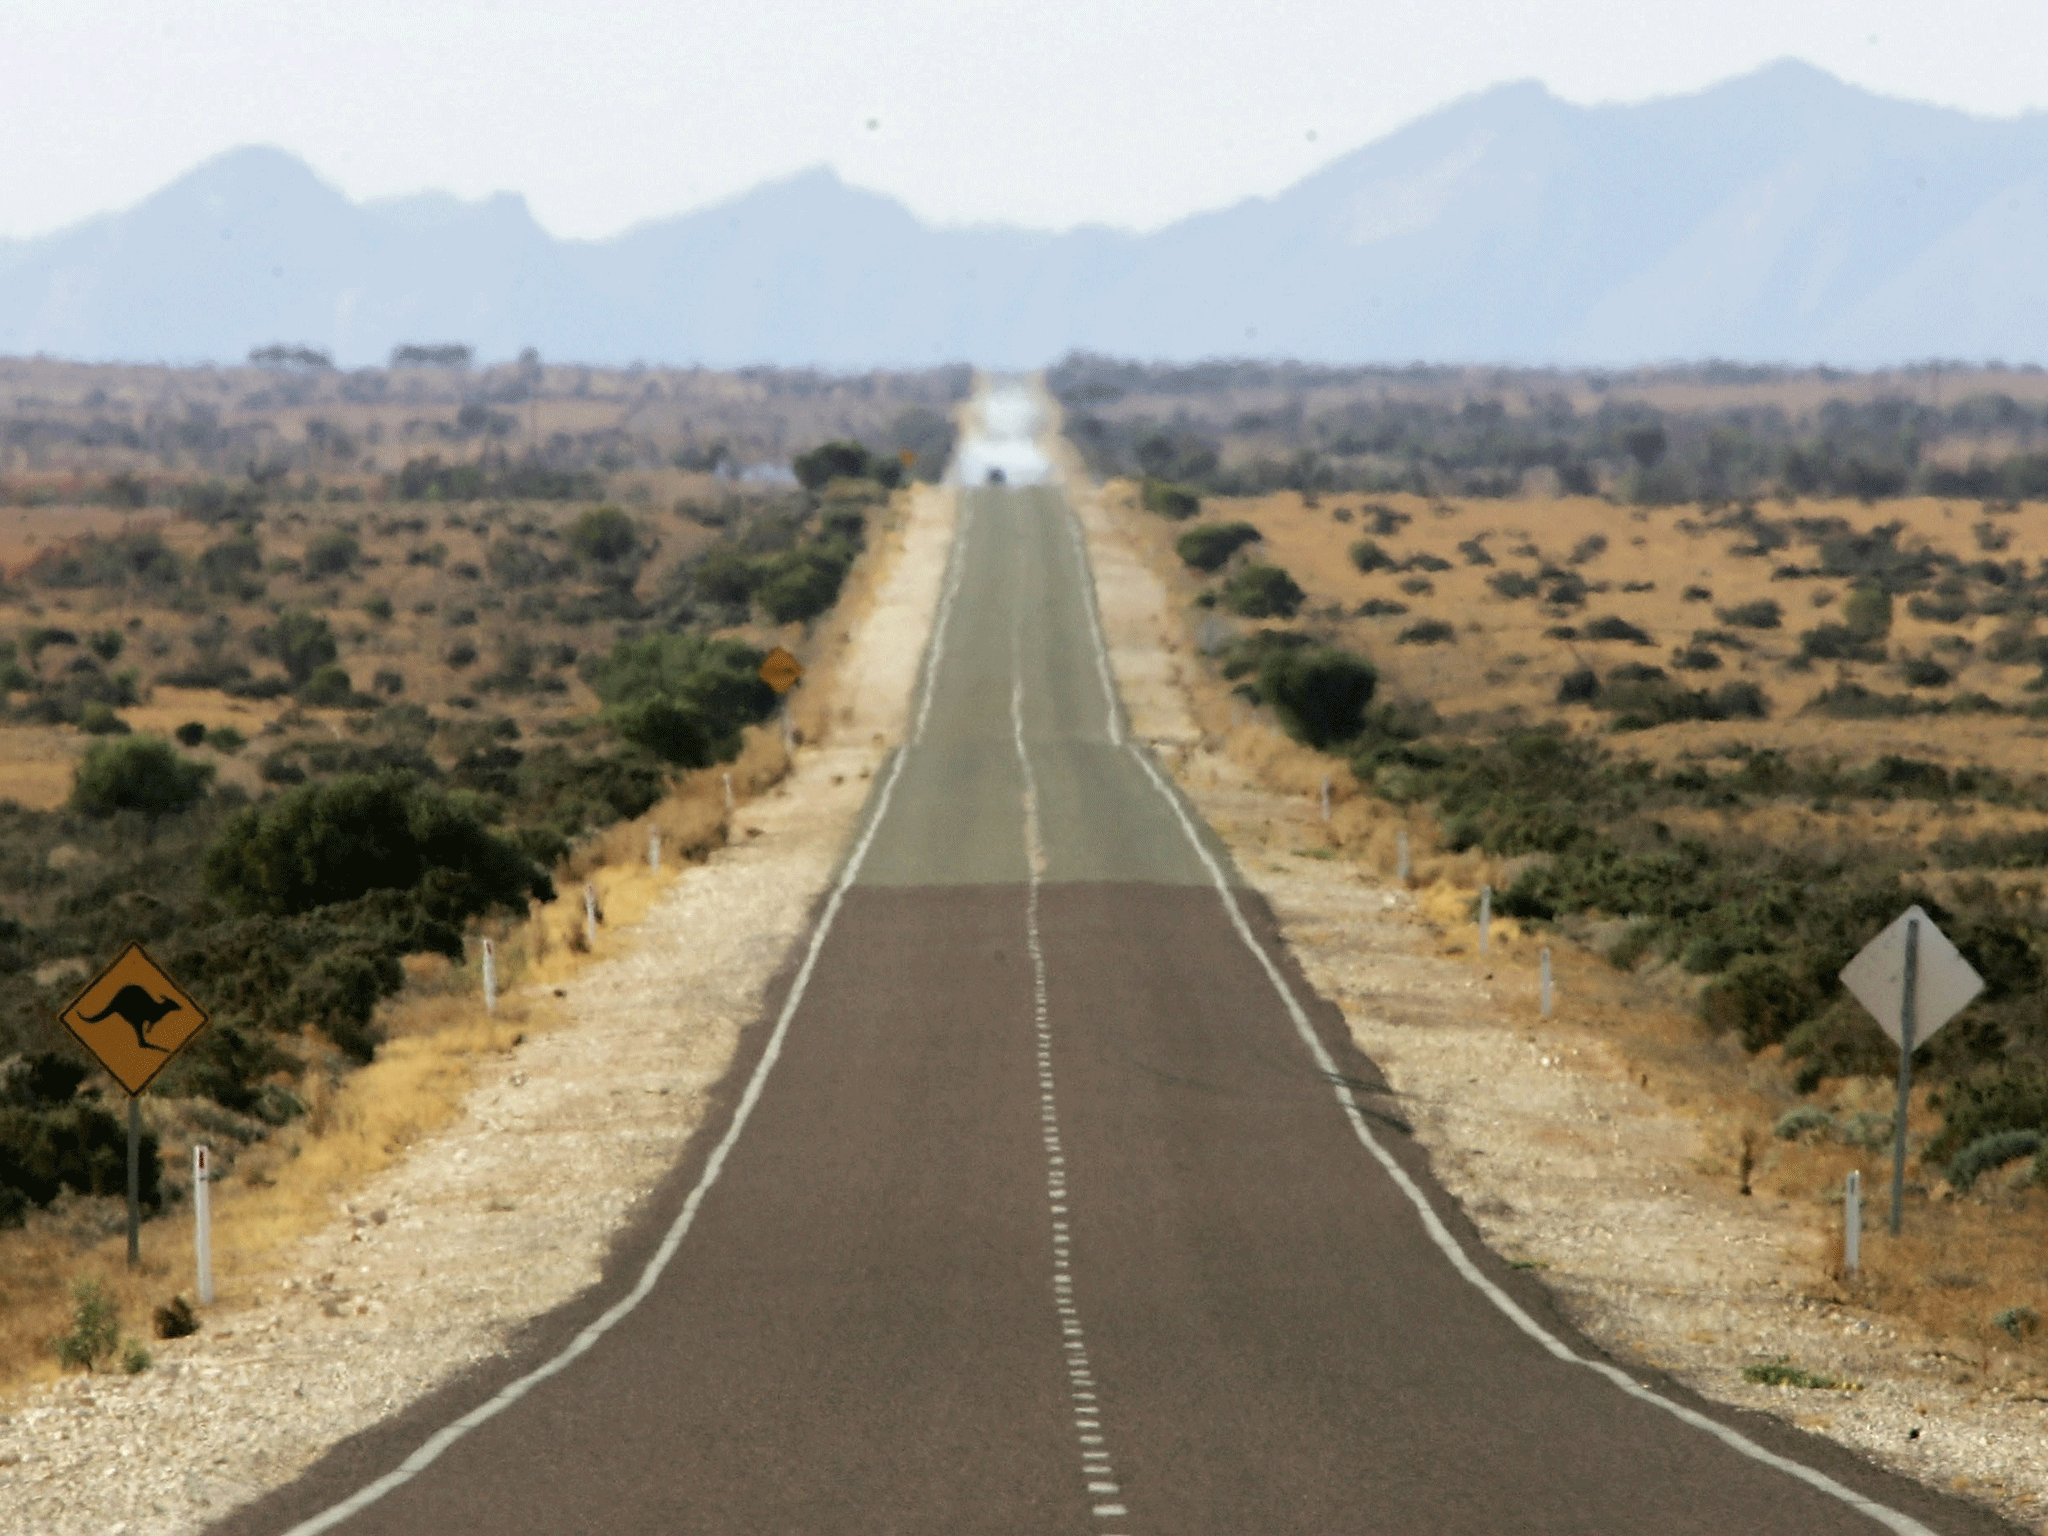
{"x": 1046, "y": 1197}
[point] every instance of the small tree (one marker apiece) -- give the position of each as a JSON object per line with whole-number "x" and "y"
{"x": 304, "y": 642}
{"x": 841, "y": 460}
{"x": 137, "y": 773}
{"x": 606, "y": 546}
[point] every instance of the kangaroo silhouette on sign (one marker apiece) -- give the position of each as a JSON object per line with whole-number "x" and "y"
{"x": 138, "y": 1010}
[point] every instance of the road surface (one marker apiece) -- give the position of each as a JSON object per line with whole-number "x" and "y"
{"x": 1047, "y": 1198}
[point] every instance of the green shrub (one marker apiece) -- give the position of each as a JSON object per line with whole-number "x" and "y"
{"x": 1427, "y": 632}
{"x": 378, "y": 606}
{"x": 1867, "y": 613}
{"x": 1783, "y": 1373}
{"x": 795, "y": 588}
{"x": 1209, "y": 548}
{"x": 1514, "y": 584}
{"x": 1263, "y": 592}
{"x": 1320, "y": 694}
{"x": 327, "y": 688}
{"x": 1802, "y": 1121}
{"x": 1764, "y": 613}
{"x": 1988, "y": 1152}
{"x": 191, "y": 734}
{"x": 845, "y": 459}
{"x": 2021, "y": 1322}
{"x": 1614, "y": 628}
{"x": 1925, "y": 672}
{"x": 2011, "y": 1098}
{"x": 682, "y": 697}
{"x": 226, "y": 740}
{"x": 96, "y": 718}
{"x": 605, "y": 543}
{"x": 141, "y": 773}
{"x": 334, "y": 552}
{"x": 337, "y": 840}
{"x": 1581, "y": 685}
{"x": 95, "y": 1327}
{"x": 1367, "y": 555}
{"x": 302, "y": 641}
{"x": 1169, "y": 500}
{"x": 1759, "y": 1000}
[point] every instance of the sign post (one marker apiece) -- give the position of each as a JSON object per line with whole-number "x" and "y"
{"x": 1913, "y": 981}
{"x": 134, "y": 1019}
{"x": 782, "y": 672}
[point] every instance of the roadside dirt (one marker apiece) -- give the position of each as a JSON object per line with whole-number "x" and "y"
{"x": 1568, "y": 1158}
{"x": 509, "y": 1211}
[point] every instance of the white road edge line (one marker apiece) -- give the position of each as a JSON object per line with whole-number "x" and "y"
{"x": 430, "y": 1450}
{"x": 1883, "y": 1514}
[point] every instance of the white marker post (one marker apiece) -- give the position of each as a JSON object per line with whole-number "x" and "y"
{"x": 202, "y": 1216}
{"x": 1546, "y": 981}
{"x": 1913, "y": 981}
{"x": 728, "y": 792}
{"x": 1485, "y": 916}
{"x": 1326, "y": 797}
{"x": 1852, "y": 1223}
{"x": 1401, "y": 857}
{"x": 589, "y": 915}
{"x": 490, "y": 977}
{"x": 654, "y": 850}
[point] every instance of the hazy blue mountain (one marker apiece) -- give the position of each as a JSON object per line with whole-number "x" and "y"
{"x": 1783, "y": 216}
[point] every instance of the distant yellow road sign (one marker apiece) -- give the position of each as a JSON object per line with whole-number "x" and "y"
{"x": 781, "y": 671}
{"x": 134, "y": 1018}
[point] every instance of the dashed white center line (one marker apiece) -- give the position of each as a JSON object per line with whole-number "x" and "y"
{"x": 1097, "y": 1474}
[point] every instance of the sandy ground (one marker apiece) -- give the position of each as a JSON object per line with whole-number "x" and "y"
{"x": 509, "y": 1211}
{"x": 1563, "y": 1160}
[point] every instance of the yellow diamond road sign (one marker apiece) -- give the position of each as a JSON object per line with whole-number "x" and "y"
{"x": 781, "y": 671}
{"x": 134, "y": 1018}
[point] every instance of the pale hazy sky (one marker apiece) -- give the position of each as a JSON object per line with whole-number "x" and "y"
{"x": 606, "y": 113}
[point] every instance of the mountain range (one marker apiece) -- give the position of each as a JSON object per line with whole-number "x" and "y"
{"x": 1780, "y": 217}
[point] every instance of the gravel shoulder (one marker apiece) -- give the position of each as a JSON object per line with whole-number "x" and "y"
{"x": 1565, "y": 1162}
{"x": 436, "y": 1262}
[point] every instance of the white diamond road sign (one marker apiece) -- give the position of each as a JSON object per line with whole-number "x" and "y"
{"x": 1944, "y": 982}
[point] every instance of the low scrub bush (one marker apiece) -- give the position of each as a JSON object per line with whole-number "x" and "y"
{"x": 1263, "y": 592}
{"x": 682, "y": 697}
{"x": 1320, "y": 694}
{"x": 334, "y": 841}
{"x": 1991, "y": 1152}
{"x": 1169, "y": 500}
{"x": 1209, "y": 547}
{"x": 143, "y": 774}
{"x": 1428, "y": 632}
{"x": 1612, "y": 628}
{"x": 1764, "y": 613}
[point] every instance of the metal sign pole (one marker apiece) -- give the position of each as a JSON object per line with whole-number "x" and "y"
{"x": 1485, "y": 916}
{"x": 134, "y": 1181}
{"x": 490, "y": 977}
{"x": 1906, "y": 1021}
{"x": 202, "y": 1214}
